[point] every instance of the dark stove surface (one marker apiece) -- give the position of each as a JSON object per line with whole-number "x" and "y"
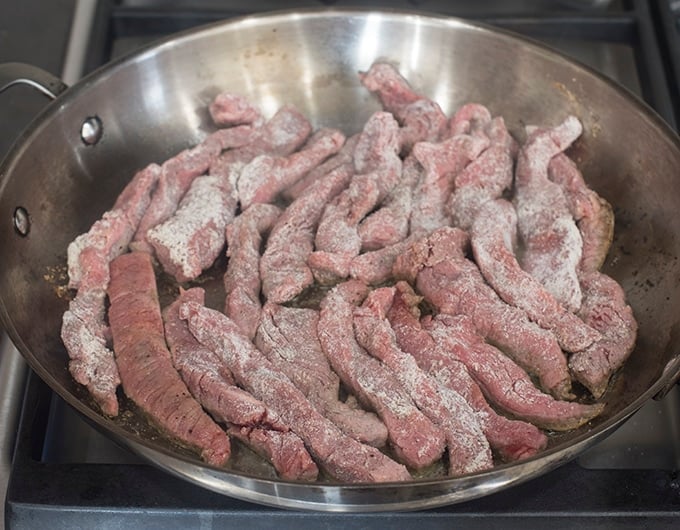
{"x": 65, "y": 474}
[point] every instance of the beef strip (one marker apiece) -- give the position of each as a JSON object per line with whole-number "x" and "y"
{"x": 421, "y": 119}
{"x": 179, "y": 172}
{"x": 593, "y": 214}
{"x": 510, "y": 439}
{"x": 470, "y": 118}
{"x": 468, "y": 448}
{"x": 374, "y": 268}
{"x": 242, "y": 277}
{"x": 288, "y": 338}
{"x": 283, "y": 267}
{"x": 454, "y": 285}
{"x": 604, "y": 308}
{"x": 485, "y": 178}
{"x": 84, "y": 331}
{"x": 213, "y": 386}
{"x": 414, "y": 438}
{"x": 146, "y": 371}
{"x": 189, "y": 242}
{"x": 266, "y": 176}
{"x": 390, "y": 223}
{"x": 343, "y": 157}
{"x": 229, "y": 109}
{"x": 378, "y": 170}
{"x": 441, "y": 162}
{"x": 504, "y": 382}
{"x": 339, "y": 455}
{"x": 551, "y": 241}
{"x": 493, "y": 237}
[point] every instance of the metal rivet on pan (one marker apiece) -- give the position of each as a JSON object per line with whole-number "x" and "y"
{"x": 22, "y": 223}
{"x": 91, "y": 130}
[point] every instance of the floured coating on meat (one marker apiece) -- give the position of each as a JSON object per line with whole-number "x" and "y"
{"x": 341, "y": 457}
{"x": 414, "y": 438}
{"x": 468, "y": 448}
{"x": 426, "y": 291}
{"x": 551, "y": 241}
{"x": 242, "y": 283}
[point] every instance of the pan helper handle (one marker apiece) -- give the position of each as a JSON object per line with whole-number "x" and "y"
{"x": 20, "y": 73}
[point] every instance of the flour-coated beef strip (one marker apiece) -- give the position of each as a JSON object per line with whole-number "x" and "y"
{"x": 511, "y": 439}
{"x": 378, "y": 170}
{"x": 467, "y": 446}
{"x": 503, "y": 382}
{"x": 266, "y": 176}
{"x": 177, "y": 174}
{"x": 242, "y": 282}
{"x": 421, "y": 119}
{"x": 375, "y": 267}
{"x": 415, "y": 439}
{"x": 229, "y": 109}
{"x": 146, "y": 371}
{"x": 343, "y": 157}
{"x": 552, "y": 243}
{"x": 84, "y": 330}
{"x": 390, "y": 223}
{"x": 593, "y": 214}
{"x": 288, "y": 338}
{"x": 493, "y": 238}
{"x": 213, "y": 385}
{"x": 339, "y": 455}
{"x": 283, "y": 266}
{"x": 604, "y": 308}
{"x": 190, "y": 240}
{"x": 453, "y": 284}
{"x": 470, "y": 118}
{"x": 441, "y": 162}
{"x": 485, "y": 178}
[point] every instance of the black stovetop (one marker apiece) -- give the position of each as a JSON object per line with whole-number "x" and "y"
{"x": 67, "y": 475}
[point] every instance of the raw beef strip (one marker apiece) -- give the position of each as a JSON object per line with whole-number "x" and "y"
{"x": 189, "y": 242}
{"x": 494, "y": 234}
{"x": 282, "y": 135}
{"x": 378, "y": 170}
{"x": 179, "y": 172}
{"x": 340, "y": 456}
{"x": 146, "y": 371}
{"x": 288, "y": 338}
{"x": 415, "y": 439}
{"x": 421, "y": 119}
{"x": 343, "y": 157}
{"x": 504, "y": 382}
{"x": 593, "y": 214}
{"x": 266, "y": 176}
{"x": 390, "y": 223}
{"x": 283, "y": 266}
{"x": 471, "y": 118}
{"x": 511, "y": 439}
{"x": 213, "y": 386}
{"x": 84, "y": 331}
{"x": 441, "y": 163}
{"x": 468, "y": 448}
{"x": 552, "y": 243}
{"x": 604, "y": 308}
{"x": 374, "y": 268}
{"x": 485, "y": 178}
{"x": 242, "y": 277}
{"x": 453, "y": 284}
{"x": 111, "y": 235}
{"x": 228, "y": 109}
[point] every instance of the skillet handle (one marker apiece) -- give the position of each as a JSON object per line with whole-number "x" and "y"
{"x": 20, "y": 73}
{"x": 672, "y": 367}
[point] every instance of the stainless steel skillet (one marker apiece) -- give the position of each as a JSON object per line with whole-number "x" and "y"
{"x": 55, "y": 183}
